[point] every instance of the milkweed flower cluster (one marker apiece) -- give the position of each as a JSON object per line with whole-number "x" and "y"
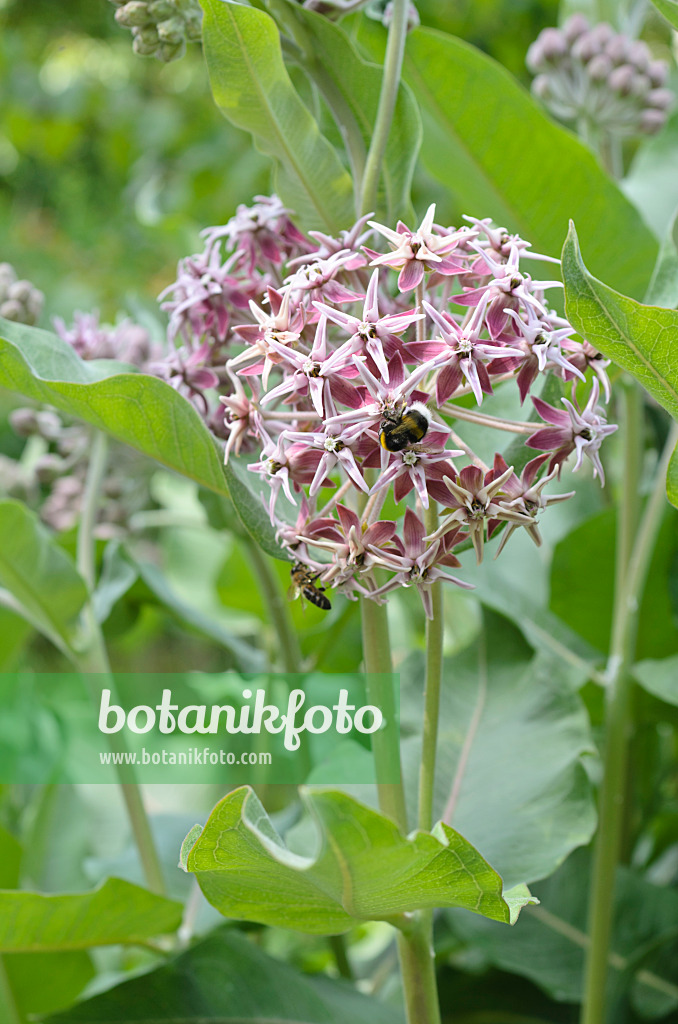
{"x": 20, "y": 300}
{"x": 343, "y": 366}
{"x": 604, "y": 78}
{"x": 160, "y": 28}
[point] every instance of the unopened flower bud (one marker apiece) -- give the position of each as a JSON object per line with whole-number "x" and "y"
{"x": 586, "y": 48}
{"x": 658, "y": 72}
{"x": 12, "y": 310}
{"x": 20, "y": 290}
{"x": 617, "y": 49}
{"x": 575, "y": 27}
{"x": 48, "y": 467}
{"x": 7, "y": 278}
{"x": 193, "y": 29}
{"x": 541, "y": 87}
{"x": 148, "y": 34}
{"x": 171, "y": 51}
{"x": 133, "y": 14}
{"x": 171, "y": 31}
{"x": 661, "y": 99}
{"x": 553, "y": 44}
{"x": 621, "y": 79}
{"x": 641, "y": 86}
{"x": 602, "y": 34}
{"x": 161, "y": 9}
{"x": 600, "y": 67}
{"x": 652, "y": 121}
{"x": 639, "y": 55}
{"x": 24, "y": 422}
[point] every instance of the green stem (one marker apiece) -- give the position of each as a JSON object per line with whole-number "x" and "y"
{"x": 628, "y": 594}
{"x": 417, "y": 967}
{"x": 378, "y": 672}
{"x": 395, "y": 49}
{"x": 7, "y": 1000}
{"x": 94, "y": 660}
{"x": 435, "y": 629}
{"x": 338, "y": 947}
{"x": 277, "y": 605}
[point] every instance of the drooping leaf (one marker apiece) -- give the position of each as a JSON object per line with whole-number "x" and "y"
{"x": 512, "y": 736}
{"x": 116, "y": 912}
{"x": 227, "y": 980}
{"x": 640, "y": 339}
{"x": 548, "y": 945}
{"x": 253, "y": 90}
{"x": 142, "y": 411}
{"x": 247, "y": 873}
{"x": 499, "y": 155}
{"x": 351, "y": 86}
{"x": 250, "y": 494}
{"x": 39, "y": 575}
{"x": 117, "y": 576}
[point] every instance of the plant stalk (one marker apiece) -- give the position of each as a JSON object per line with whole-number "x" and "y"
{"x": 435, "y": 629}
{"x": 94, "y": 660}
{"x": 628, "y": 595}
{"x": 277, "y": 605}
{"x": 393, "y": 62}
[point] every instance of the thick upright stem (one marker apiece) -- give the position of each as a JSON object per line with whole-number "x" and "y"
{"x": 628, "y": 595}
{"x": 419, "y": 980}
{"x": 94, "y": 659}
{"x": 395, "y": 48}
{"x": 434, "y": 674}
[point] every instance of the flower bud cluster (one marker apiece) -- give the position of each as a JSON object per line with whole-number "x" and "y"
{"x": 51, "y": 475}
{"x": 602, "y": 77}
{"x": 160, "y": 28}
{"x": 127, "y": 342}
{"x": 338, "y": 369}
{"x": 20, "y": 301}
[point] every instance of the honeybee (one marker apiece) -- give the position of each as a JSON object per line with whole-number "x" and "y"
{"x": 397, "y": 430}
{"x": 304, "y": 585}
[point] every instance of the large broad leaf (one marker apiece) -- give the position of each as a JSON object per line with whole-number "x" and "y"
{"x": 590, "y": 613}
{"x": 512, "y": 735}
{"x": 227, "y": 980}
{"x": 39, "y": 575}
{"x": 351, "y": 87}
{"x": 365, "y": 869}
{"x": 651, "y": 183}
{"x": 659, "y": 677}
{"x": 142, "y": 411}
{"x": 641, "y": 339}
{"x": 549, "y": 943}
{"x": 116, "y": 912}
{"x": 250, "y": 494}
{"x": 252, "y": 88}
{"x": 62, "y": 976}
{"x": 492, "y": 147}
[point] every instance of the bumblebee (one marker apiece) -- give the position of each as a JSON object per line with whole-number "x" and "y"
{"x": 304, "y": 585}
{"x": 397, "y": 430}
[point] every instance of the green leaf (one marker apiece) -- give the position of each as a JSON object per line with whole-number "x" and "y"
{"x": 548, "y": 945}
{"x": 512, "y": 737}
{"x": 590, "y": 613}
{"x": 246, "y": 872}
{"x": 39, "y": 575}
{"x": 248, "y": 658}
{"x": 10, "y": 859}
{"x": 227, "y": 980}
{"x": 669, "y": 8}
{"x": 652, "y": 183}
{"x": 117, "y": 576}
{"x": 659, "y": 677}
{"x": 663, "y": 288}
{"x": 351, "y": 86}
{"x": 62, "y": 978}
{"x": 640, "y": 339}
{"x": 253, "y": 90}
{"x": 142, "y": 411}
{"x": 250, "y": 494}
{"x": 672, "y": 479}
{"x": 493, "y": 148}
{"x": 116, "y": 912}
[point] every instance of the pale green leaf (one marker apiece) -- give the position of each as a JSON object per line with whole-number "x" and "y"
{"x": 669, "y": 8}
{"x": 672, "y": 479}
{"x": 659, "y": 677}
{"x": 116, "y": 912}
{"x": 253, "y": 90}
{"x": 140, "y": 410}
{"x": 365, "y": 868}
{"x": 663, "y": 288}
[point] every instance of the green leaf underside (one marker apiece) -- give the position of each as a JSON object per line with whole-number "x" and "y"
{"x": 672, "y": 478}
{"x": 39, "y": 574}
{"x": 253, "y": 90}
{"x": 227, "y": 980}
{"x": 358, "y": 82}
{"x": 250, "y": 494}
{"x": 143, "y": 411}
{"x": 659, "y": 677}
{"x": 116, "y": 912}
{"x": 669, "y": 8}
{"x": 488, "y": 142}
{"x": 365, "y": 870}
{"x": 640, "y": 339}
{"x": 62, "y": 978}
